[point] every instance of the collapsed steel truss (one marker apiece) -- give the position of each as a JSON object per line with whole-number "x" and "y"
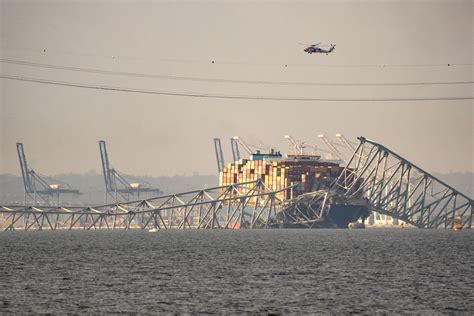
{"x": 306, "y": 210}
{"x": 396, "y": 187}
{"x": 390, "y": 185}
{"x": 244, "y": 205}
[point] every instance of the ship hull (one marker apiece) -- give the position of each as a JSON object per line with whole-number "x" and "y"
{"x": 322, "y": 210}
{"x": 339, "y": 216}
{"x": 343, "y": 215}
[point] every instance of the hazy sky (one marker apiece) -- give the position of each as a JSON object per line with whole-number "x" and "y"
{"x": 254, "y": 40}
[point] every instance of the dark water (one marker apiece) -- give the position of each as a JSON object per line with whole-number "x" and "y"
{"x": 272, "y": 271}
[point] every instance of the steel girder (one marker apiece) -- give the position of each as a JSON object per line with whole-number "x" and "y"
{"x": 245, "y": 205}
{"x": 396, "y": 187}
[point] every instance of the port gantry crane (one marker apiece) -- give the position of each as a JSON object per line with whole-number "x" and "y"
{"x": 117, "y": 186}
{"x": 36, "y": 185}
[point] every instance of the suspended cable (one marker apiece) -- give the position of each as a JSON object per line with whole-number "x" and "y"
{"x": 219, "y": 96}
{"x": 144, "y": 75}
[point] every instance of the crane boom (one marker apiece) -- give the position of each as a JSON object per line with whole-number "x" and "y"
{"x": 219, "y": 154}
{"x": 346, "y": 142}
{"x": 333, "y": 149}
{"x": 24, "y": 168}
{"x": 235, "y": 149}
{"x": 243, "y": 144}
{"x": 105, "y": 164}
{"x": 297, "y": 146}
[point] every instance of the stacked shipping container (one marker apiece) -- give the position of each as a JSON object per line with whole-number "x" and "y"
{"x": 311, "y": 175}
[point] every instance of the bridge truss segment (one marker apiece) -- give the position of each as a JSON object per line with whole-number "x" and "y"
{"x": 396, "y": 187}
{"x": 244, "y": 205}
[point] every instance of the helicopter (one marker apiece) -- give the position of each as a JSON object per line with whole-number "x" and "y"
{"x": 315, "y": 48}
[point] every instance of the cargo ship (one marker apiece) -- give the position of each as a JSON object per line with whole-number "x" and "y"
{"x": 308, "y": 174}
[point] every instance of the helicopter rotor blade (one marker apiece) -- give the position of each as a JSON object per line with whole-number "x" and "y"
{"x": 309, "y": 45}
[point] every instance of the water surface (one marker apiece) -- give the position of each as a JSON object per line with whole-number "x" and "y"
{"x": 224, "y": 271}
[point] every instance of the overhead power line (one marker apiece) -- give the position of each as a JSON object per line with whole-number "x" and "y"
{"x": 217, "y": 80}
{"x": 52, "y": 51}
{"x": 218, "y": 96}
